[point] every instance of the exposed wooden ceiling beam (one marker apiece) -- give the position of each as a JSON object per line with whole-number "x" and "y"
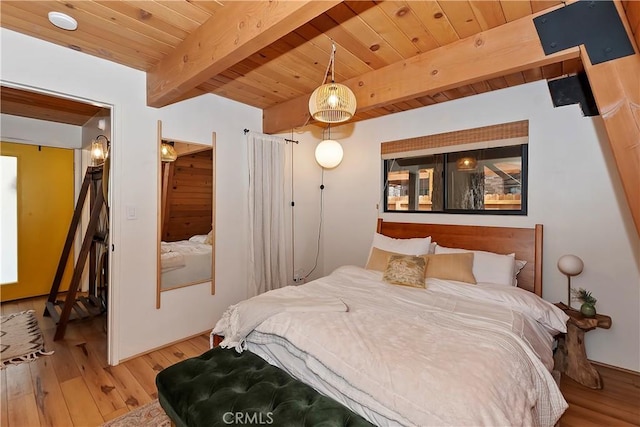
{"x": 237, "y": 31}
{"x": 509, "y": 48}
{"x": 616, "y": 89}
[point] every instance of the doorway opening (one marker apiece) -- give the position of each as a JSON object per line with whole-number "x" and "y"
{"x": 58, "y": 253}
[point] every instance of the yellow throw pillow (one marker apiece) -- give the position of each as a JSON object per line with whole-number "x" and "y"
{"x": 405, "y": 270}
{"x": 458, "y": 266}
{"x": 378, "y": 259}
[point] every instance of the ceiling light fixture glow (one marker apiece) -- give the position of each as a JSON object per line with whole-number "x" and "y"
{"x": 62, "y": 20}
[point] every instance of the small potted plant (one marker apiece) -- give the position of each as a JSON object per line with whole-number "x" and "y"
{"x": 588, "y": 307}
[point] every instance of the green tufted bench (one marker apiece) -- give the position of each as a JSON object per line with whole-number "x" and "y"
{"x": 223, "y": 387}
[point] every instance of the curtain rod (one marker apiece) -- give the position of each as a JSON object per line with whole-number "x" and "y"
{"x": 288, "y": 140}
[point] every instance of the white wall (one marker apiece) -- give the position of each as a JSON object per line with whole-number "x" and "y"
{"x": 137, "y": 325}
{"x": 574, "y": 191}
{"x": 24, "y": 130}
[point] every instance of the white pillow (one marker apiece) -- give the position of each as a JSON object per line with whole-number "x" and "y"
{"x": 416, "y": 246}
{"x": 198, "y": 238}
{"x": 488, "y": 267}
{"x": 519, "y": 265}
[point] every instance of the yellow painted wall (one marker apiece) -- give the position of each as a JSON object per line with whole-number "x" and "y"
{"x": 45, "y": 209}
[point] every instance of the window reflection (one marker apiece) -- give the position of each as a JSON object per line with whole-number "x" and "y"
{"x": 475, "y": 181}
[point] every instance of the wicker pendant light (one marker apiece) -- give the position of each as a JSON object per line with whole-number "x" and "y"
{"x": 332, "y": 102}
{"x": 167, "y": 152}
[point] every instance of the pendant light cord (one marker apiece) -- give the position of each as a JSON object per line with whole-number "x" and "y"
{"x": 315, "y": 265}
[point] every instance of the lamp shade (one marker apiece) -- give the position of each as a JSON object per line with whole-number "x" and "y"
{"x": 99, "y": 150}
{"x": 570, "y": 265}
{"x": 329, "y": 153}
{"x": 466, "y": 164}
{"x": 168, "y": 153}
{"x": 332, "y": 103}
{"x": 97, "y": 153}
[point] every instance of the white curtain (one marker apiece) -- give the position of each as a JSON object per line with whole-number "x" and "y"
{"x": 267, "y": 224}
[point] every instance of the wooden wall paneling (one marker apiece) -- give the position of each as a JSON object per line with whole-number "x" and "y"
{"x": 37, "y": 25}
{"x": 323, "y": 42}
{"x": 540, "y": 5}
{"x": 461, "y": 17}
{"x": 396, "y": 24}
{"x": 489, "y": 14}
{"x": 139, "y": 20}
{"x": 346, "y": 41}
{"x": 221, "y": 43}
{"x": 407, "y": 21}
{"x": 431, "y": 15}
{"x": 156, "y": 26}
{"x": 191, "y": 194}
{"x": 366, "y": 34}
{"x": 532, "y": 74}
{"x": 103, "y": 28}
{"x": 515, "y": 9}
{"x": 165, "y": 197}
{"x": 572, "y": 66}
{"x": 514, "y": 79}
{"x": 509, "y": 48}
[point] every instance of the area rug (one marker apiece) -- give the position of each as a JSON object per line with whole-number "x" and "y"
{"x": 20, "y": 338}
{"x": 149, "y": 415}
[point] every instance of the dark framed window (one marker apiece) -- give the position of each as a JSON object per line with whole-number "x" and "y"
{"x": 486, "y": 181}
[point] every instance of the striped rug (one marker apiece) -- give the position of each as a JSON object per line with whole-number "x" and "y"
{"x": 20, "y": 338}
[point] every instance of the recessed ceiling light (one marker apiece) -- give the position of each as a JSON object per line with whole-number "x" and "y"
{"x": 62, "y": 20}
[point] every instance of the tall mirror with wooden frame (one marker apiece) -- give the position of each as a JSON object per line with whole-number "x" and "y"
{"x": 186, "y": 214}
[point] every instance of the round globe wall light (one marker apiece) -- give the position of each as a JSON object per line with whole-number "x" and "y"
{"x": 329, "y": 153}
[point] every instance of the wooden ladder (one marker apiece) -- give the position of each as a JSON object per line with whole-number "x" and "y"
{"x": 83, "y": 307}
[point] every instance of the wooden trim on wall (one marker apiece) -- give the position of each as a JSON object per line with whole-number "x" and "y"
{"x": 165, "y": 178}
{"x": 213, "y": 215}
{"x": 468, "y": 136}
{"x": 159, "y": 214}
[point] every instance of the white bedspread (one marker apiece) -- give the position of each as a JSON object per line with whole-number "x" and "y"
{"x": 425, "y": 357}
{"x": 241, "y": 319}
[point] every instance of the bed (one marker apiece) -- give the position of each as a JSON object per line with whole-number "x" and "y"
{"x": 185, "y": 262}
{"x": 446, "y": 354}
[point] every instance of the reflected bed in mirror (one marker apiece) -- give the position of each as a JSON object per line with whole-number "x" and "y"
{"x": 186, "y": 226}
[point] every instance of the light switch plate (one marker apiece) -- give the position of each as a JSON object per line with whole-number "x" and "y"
{"x": 131, "y": 212}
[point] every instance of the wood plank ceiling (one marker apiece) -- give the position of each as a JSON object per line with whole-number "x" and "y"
{"x": 369, "y": 35}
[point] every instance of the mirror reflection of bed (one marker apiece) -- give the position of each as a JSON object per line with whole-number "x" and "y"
{"x": 186, "y": 215}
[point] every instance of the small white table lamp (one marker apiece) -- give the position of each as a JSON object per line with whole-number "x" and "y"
{"x": 570, "y": 265}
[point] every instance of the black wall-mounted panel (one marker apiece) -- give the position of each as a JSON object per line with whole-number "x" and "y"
{"x": 596, "y": 24}
{"x": 574, "y": 90}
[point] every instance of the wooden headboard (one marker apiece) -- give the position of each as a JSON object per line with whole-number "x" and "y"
{"x": 526, "y": 243}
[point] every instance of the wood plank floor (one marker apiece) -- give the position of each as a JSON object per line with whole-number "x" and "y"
{"x": 75, "y": 387}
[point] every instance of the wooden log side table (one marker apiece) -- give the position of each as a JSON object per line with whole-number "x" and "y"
{"x": 571, "y": 356}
